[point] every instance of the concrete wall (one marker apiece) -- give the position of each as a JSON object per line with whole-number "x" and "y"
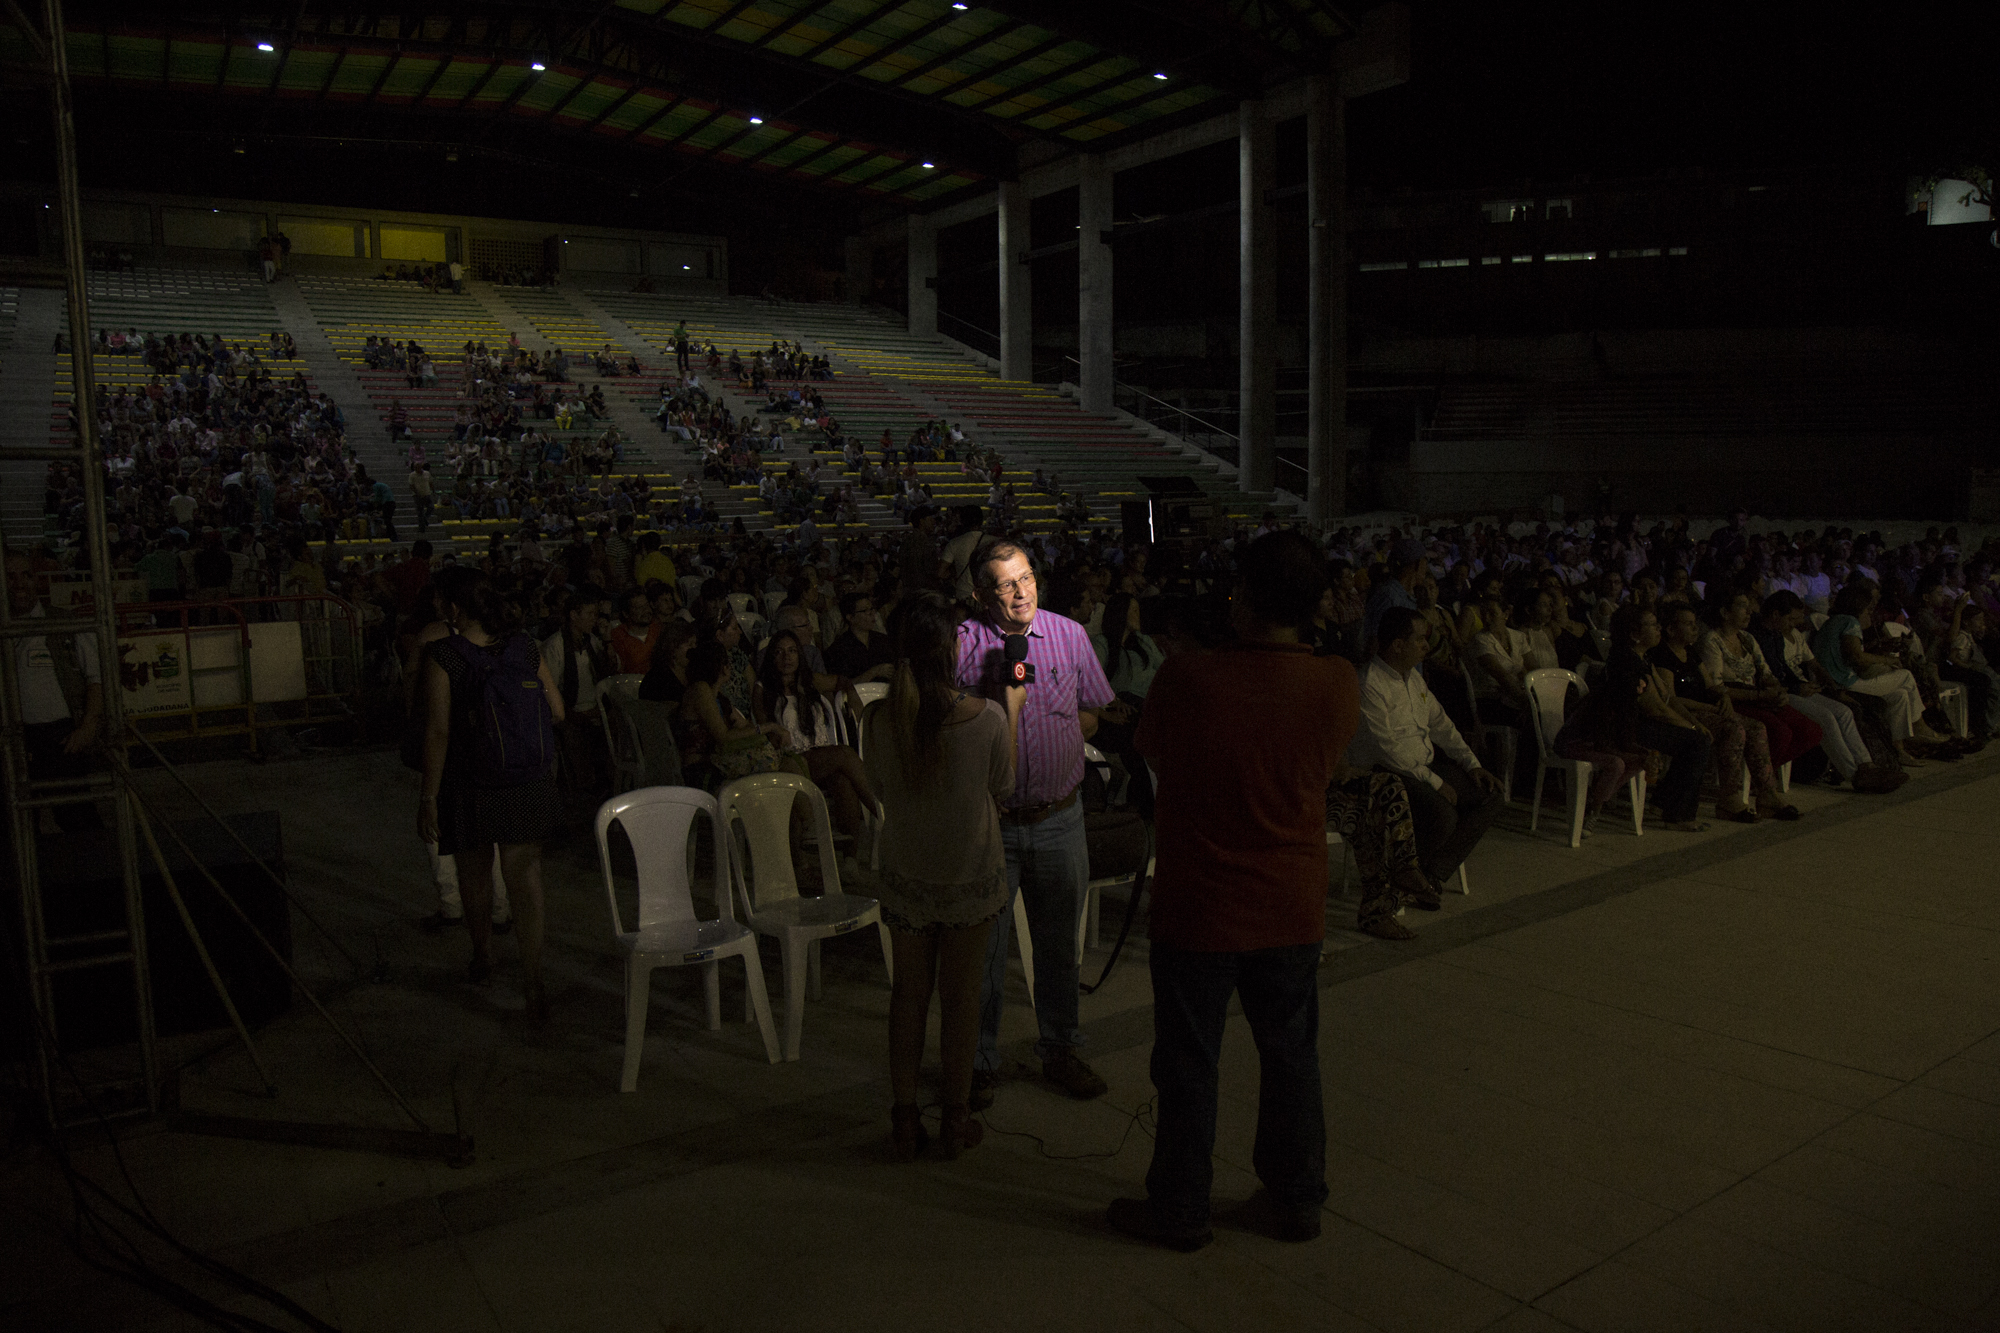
{"x": 1587, "y": 356}
{"x": 222, "y": 233}
{"x": 1917, "y": 476}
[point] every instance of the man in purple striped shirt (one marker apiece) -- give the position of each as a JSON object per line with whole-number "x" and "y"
{"x": 1041, "y": 824}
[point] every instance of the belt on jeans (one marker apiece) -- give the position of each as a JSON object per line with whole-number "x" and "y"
{"x": 1035, "y": 814}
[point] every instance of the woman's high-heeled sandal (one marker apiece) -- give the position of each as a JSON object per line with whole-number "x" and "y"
{"x": 907, "y": 1133}
{"x": 960, "y": 1132}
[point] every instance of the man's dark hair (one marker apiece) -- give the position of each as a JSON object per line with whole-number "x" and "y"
{"x": 1282, "y": 579}
{"x": 1397, "y": 624}
{"x": 1782, "y": 603}
{"x": 420, "y": 550}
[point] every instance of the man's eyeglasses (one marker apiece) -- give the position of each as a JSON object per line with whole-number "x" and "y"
{"x": 1024, "y": 583}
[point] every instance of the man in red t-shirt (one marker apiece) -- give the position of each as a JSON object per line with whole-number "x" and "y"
{"x": 1244, "y": 741}
{"x": 409, "y": 579}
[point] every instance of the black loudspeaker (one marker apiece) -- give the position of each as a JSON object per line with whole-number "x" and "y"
{"x": 83, "y": 892}
{"x": 1135, "y": 521}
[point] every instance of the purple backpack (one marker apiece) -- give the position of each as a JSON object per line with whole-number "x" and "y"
{"x": 513, "y": 734}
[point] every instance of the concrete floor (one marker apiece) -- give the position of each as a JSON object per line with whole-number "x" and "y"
{"x": 1746, "y": 1079}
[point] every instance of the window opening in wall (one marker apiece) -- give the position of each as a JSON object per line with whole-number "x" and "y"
{"x": 1443, "y": 263}
{"x": 1383, "y": 266}
{"x": 1559, "y": 208}
{"x": 1563, "y": 256}
{"x": 1677, "y": 249}
{"x": 1508, "y": 210}
{"x": 1491, "y": 259}
{"x": 1524, "y": 259}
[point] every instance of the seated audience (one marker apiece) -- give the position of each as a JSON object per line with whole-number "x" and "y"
{"x": 1662, "y": 724}
{"x": 1741, "y": 744}
{"x": 1785, "y": 652}
{"x": 1405, "y": 730}
{"x": 1852, "y": 668}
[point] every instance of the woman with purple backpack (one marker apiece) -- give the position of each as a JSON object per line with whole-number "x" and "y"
{"x": 489, "y": 765}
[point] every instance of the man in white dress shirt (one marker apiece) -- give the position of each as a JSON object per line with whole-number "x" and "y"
{"x": 1453, "y": 801}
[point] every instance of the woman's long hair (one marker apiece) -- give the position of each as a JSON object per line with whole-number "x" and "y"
{"x": 924, "y": 689}
{"x": 1125, "y": 642}
{"x": 772, "y": 681}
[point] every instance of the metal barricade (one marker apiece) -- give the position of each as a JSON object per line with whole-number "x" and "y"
{"x": 236, "y": 666}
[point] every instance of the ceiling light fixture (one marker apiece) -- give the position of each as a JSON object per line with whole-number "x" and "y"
{"x": 930, "y": 166}
{"x": 1159, "y": 74}
{"x": 265, "y": 46}
{"x": 959, "y": 4}
{"x": 756, "y": 120}
{"x": 537, "y": 66}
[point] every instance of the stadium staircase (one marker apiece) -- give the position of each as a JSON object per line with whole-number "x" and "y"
{"x": 886, "y": 378}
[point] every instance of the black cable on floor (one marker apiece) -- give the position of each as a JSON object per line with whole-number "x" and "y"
{"x": 1139, "y": 1117}
{"x": 101, "y": 1244}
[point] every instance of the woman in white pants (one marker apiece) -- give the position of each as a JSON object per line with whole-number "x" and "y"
{"x": 1790, "y": 657}
{"x": 1851, "y": 667}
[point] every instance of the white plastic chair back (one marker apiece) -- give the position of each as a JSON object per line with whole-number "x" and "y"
{"x": 691, "y": 588}
{"x": 869, "y": 693}
{"x": 741, "y": 602}
{"x": 761, "y": 808}
{"x": 1548, "y": 695}
{"x": 621, "y": 734}
{"x": 657, "y": 821}
{"x": 772, "y": 601}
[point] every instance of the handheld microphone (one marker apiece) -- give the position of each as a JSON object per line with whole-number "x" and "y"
{"x": 1020, "y": 671}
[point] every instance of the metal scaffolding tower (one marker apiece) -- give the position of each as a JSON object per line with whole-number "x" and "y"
{"x": 124, "y": 947}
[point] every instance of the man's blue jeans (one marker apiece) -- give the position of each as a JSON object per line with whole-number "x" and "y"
{"x": 1048, "y": 864}
{"x": 1280, "y": 990}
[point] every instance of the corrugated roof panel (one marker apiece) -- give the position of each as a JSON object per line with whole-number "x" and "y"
{"x": 408, "y": 79}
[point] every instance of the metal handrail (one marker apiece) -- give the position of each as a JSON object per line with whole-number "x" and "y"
{"x": 989, "y": 341}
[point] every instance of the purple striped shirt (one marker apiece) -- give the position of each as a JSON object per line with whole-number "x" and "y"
{"x": 1048, "y": 762}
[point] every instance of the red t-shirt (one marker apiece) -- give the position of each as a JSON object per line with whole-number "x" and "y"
{"x": 634, "y": 651}
{"x": 1244, "y": 741}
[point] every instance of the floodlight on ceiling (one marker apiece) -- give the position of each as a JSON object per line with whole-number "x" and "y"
{"x": 537, "y": 66}
{"x": 265, "y": 46}
{"x": 930, "y": 166}
{"x": 756, "y": 120}
{"x": 1159, "y": 74}
{"x": 959, "y": 4}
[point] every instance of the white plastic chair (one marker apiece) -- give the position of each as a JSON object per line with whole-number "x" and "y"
{"x": 1951, "y": 698}
{"x": 773, "y": 600}
{"x": 1548, "y": 691}
{"x": 657, "y": 821}
{"x": 743, "y": 602}
{"x": 621, "y": 733}
{"x": 869, "y": 693}
{"x": 768, "y": 889}
{"x": 691, "y": 588}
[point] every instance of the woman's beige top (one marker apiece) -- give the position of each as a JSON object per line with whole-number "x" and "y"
{"x": 945, "y": 829}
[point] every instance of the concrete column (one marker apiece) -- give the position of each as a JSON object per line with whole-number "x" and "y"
{"x": 860, "y": 269}
{"x": 1326, "y": 257}
{"x": 1017, "y": 329}
{"x": 923, "y": 276}
{"x": 1093, "y": 284}
{"x": 1257, "y": 300}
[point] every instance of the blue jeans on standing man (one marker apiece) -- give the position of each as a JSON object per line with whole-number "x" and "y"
{"x": 1048, "y": 864}
{"x": 1280, "y": 992}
